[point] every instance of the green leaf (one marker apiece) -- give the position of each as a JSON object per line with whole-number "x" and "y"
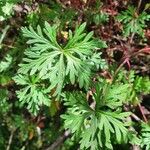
{"x": 145, "y": 134}
{"x": 57, "y": 63}
{"x": 32, "y": 93}
{"x": 93, "y": 125}
{"x": 133, "y": 22}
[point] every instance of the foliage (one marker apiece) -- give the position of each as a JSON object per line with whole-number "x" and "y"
{"x": 62, "y": 87}
{"x": 57, "y": 14}
{"x": 4, "y": 105}
{"x": 133, "y": 22}
{"x": 33, "y": 94}
{"x": 145, "y": 133}
{"x": 97, "y": 128}
{"x": 6, "y": 8}
{"x": 137, "y": 84}
{"x": 142, "y": 84}
{"x": 100, "y": 18}
{"x": 55, "y": 63}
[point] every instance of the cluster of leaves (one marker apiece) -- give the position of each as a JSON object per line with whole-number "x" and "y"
{"x": 59, "y": 65}
{"x": 98, "y": 123}
{"x": 63, "y": 70}
{"x": 133, "y": 22}
{"x": 138, "y": 85}
{"x": 33, "y": 94}
{"x": 102, "y": 121}
{"x": 96, "y": 14}
{"x": 6, "y": 8}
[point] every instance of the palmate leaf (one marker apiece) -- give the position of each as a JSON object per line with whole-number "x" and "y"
{"x": 102, "y": 128}
{"x": 32, "y": 94}
{"x": 54, "y": 62}
{"x": 93, "y": 125}
{"x": 133, "y": 22}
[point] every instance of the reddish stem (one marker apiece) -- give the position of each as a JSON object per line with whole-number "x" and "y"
{"x": 142, "y": 112}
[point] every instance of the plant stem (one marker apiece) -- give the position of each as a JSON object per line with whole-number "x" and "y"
{"x": 131, "y": 39}
{"x": 10, "y": 139}
{"x": 143, "y": 115}
{"x": 138, "y": 7}
{"x": 59, "y": 140}
{"x": 120, "y": 66}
